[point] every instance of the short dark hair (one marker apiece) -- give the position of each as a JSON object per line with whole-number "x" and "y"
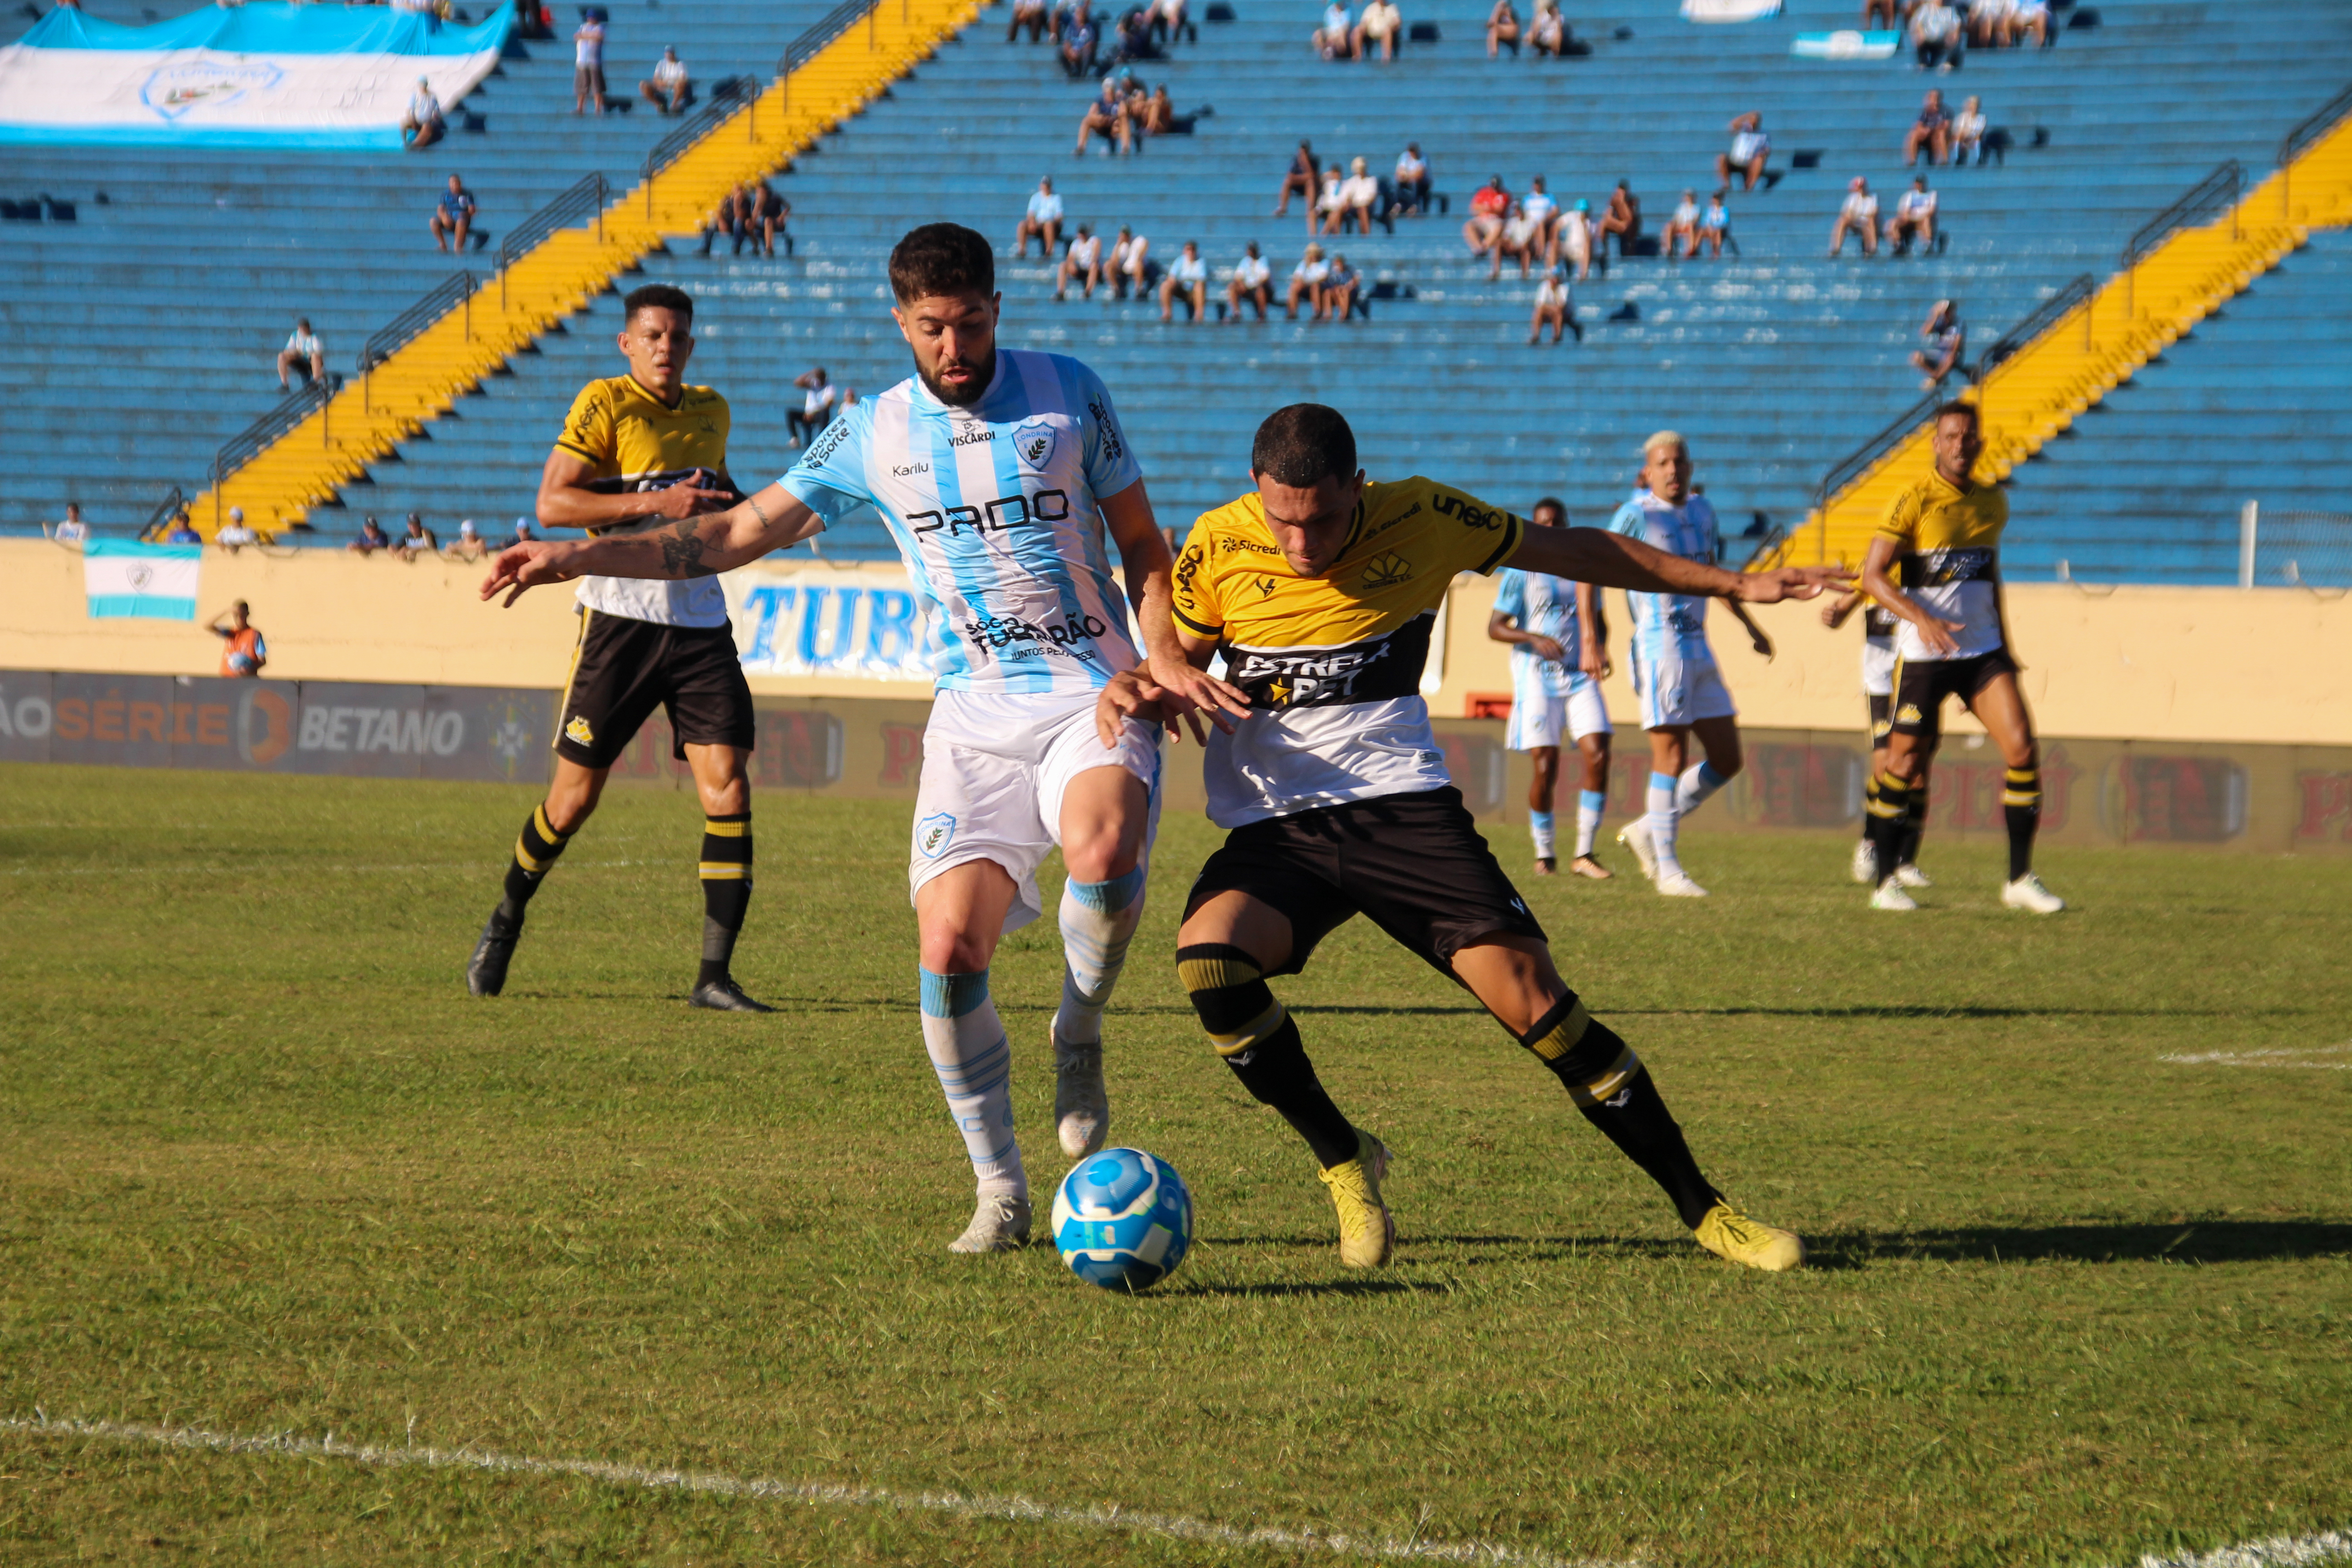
{"x": 1959, "y": 409}
{"x": 658, "y": 297}
{"x": 1301, "y": 444}
{"x": 942, "y": 258}
{"x": 1556, "y": 504}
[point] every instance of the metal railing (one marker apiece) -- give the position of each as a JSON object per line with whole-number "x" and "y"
{"x": 585, "y": 199}
{"x": 2217, "y": 190}
{"x": 2292, "y": 145}
{"x": 246, "y": 443}
{"x": 174, "y": 499}
{"x": 2078, "y": 290}
{"x": 455, "y": 290}
{"x": 834, "y": 22}
{"x": 1858, "y": 462}
{"x": 730, "y": 96}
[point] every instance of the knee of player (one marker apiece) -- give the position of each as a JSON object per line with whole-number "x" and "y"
{"x": 730, "y": 796}
{"x": 568, "y": 814}
{"x": 1237, "y": 1009}
{"x": 1101, "y": 856}
{"x": 944, "y": 950}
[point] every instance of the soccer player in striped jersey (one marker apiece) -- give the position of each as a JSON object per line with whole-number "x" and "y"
{"x": 1559, "y": 658}
{"x": 999, "y": 473}
{"x": 1675, "y": 673}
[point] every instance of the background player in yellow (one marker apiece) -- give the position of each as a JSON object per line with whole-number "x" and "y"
{"x": 641, "y": 448}
{"x": 1944, "y": 534}
{"x": 1320, "y": 589}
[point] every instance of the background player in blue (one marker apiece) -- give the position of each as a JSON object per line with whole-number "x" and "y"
{"x": 1674, "y": 675}
{"x": 999, "y": 473}
{"x": 1558, "y": 657}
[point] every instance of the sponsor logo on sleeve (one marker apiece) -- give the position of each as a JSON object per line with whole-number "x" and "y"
{"x": 1114, "y": 448}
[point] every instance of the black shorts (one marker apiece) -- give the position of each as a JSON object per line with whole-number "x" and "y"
{"x": 624, "y": 669}
{"x": 1413, "y": 864}
{"x": 1881, "y": 718}
{"x": 1920, "y": 688}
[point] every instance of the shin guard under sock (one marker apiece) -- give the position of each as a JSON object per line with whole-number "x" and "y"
{"x": 1613, "y": 1090}
{"x": 973, "y": 1059}
{"x": 1696, "y": 787}
{"x": 1884, "y": 823}
{"x": 1660, "y": 818}
{"x": 535, "y": 854}
{"x": 1915, "y": 827}
{"x": 2021, "y": 813}
{"x": 1255, "y": 1035}
{"x": 726, "y": 890}
{"x": 1540, "y": 829}
{"x": 1589, "y": 805}
{"x": 1098, "y": 919}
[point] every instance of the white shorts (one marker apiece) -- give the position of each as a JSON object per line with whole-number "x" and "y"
{"x": 1539, "y": 716}
{"x": 1878, "y": 666}
{"x": 1675, "y": 690}
{"x": 994, "y": 770}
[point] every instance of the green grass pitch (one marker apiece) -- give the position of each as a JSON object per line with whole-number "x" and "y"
{"x": 264, "y": 1167}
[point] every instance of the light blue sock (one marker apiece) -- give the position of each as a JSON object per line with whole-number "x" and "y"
{"x": 1098, "y": 920}
{"x": 1660, "y": 819}
{"x": 1589, "y": 805}
{"x": 1539, "y": 828}
{"x": 1691, "y": 790}
{"x": 975, "y": 1061}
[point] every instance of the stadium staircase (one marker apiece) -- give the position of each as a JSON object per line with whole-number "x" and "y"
{"x": 2172, "y": 281}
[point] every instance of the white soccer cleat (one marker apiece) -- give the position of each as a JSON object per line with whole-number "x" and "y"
{"x": 1865, "y": 862}
{"x": 1081, "y": 1104}
{"x": 999, "y": 1223}
{"x": 1635, "y": 836}
{"x": 2028, "y": 893}
{"x": 1910, "y": 875}
{"x": 1677, "y": 884}
{"x": 1891, "y": 896}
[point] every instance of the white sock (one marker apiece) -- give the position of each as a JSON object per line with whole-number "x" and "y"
{"x": 1098, "y": 919}
{"x": 975, "y": 1061}
{"x": 1661, "y": 819}
{"x": 1693, "y": 789}
{"x": 1539, "y": 828}
{"x": 1589, "y": 804}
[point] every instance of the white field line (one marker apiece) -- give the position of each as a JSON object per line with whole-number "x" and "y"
{"x": 2277, "y": 1551}
{"x": 1015, "y": 1509}
{"x": 2286, "y": 1057}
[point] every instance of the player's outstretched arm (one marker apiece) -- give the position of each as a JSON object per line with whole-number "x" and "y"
{"x": 1149, "y": 569}
{"x": 699, "y": 546}
{"x": 1936, "y": 634}
{"x": 1609, "y": 559}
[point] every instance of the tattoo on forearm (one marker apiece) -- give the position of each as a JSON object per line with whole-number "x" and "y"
{"x": 753, "y": 502}
{"x": 682, "y": 552}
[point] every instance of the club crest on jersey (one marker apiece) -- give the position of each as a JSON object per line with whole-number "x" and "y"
{"x": 934, "y": 834}
{"x": 1034, "y": 442}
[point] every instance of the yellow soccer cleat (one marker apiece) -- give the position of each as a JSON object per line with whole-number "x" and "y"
{"x": 1367, "y": 1230}
{"x": 1732, "y": 1235}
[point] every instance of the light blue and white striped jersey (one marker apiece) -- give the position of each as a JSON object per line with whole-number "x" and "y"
{"x": 1669, "y": 624}
{"x": 996, "y": 508}
{"x": 1544, "y": 605}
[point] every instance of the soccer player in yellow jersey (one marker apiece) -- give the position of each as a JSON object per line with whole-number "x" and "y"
{"x": 1944, "y": 535}
{"x": 1320, "y": 589}
{"x": 638, "y": 449}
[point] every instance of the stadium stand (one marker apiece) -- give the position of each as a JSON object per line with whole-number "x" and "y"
{"x": 1776, "y": 361}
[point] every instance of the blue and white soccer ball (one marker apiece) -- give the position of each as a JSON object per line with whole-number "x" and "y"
{"x": 1123, "y": 1220}
{"x": 243, "y": 663}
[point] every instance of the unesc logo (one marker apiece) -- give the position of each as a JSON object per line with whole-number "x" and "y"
{"x": 934, "y": 834}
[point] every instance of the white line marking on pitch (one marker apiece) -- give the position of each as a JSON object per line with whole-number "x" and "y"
{"x": 2306, "y": 1058}
{"x": 2278, "y": 1551}
{"x": 1015, "y": 1509}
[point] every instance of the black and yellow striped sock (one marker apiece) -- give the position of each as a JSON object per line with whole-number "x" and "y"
{"x": 1259, "y": 1041}
{"x": 2021, "y": 813}
{"x": 1869, "y": 799}
{"x": 1884, "y": 821}
{"x": 726, "y": 890}
{"x": 1915, "y": 827}
{"x": 535, "y": 853}
{"x": 1613, "y": 1090}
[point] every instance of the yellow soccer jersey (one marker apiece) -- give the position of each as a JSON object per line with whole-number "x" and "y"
{"x": 636, "y": 442}
{"x": 1334, "y": 662}
{"x": 1947, "y": 558}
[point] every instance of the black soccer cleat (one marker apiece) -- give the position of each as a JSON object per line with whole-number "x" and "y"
{"x": 726, "y": 996}
{"x": 486, "y": 972}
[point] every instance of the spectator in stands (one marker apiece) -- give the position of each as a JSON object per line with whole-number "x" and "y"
{"x": 183, "y": 531}
{"x": 1968, "y": 134}
{"x": 1931, "y": 132}
{"x": 1503, "y": 29}
{"x": 243, "y": 653}
{"x": 1749, "y": 149}
{"x": 418, "y": 540}
{"x": 1107, "y": 116}
{"x": 1859, "y": 215}
{"x": 765, "y": 216}
{"x": 1488, "y": 209}
{"x": 670, "y": 88}
{"x": 1042, "y": 223}
{"x": 1873, "y": 11}
{"x": 1169, "y": 20}
{"x": 1078, "y": 42}
{"x": 1715, "y": 227}
{"x": 727, "y": 218}
{"x": 2028, "y": 19}
{"x": 453, "y": 219}
{"x": 1936, "y": 39}
{"x": 1411, "y": 183}
{"x": 1187, "y": 281}
{"x": 421, "y": 123}
{"x": 1300, "y": 179}
{"x": 1681, "y": 226}
{"x": 303, "y": 355}
{"x": 1306, "y": 283}
{"x": 1132, "y": 38}
{"x": 1914, "y": 219}
{"x": 1555, "y": 307}
{"x": 1573, "y": 240}
{"x": 469, "y": 545}
{"x": 1947, "y": 340}
{"x": 1157, "y": 115}
{"x": 1380, "y": 27}
{"x": 1548, "y": 34}
{"x": 588, "y": 65}
{"x": 1623, "y": 219}
{"x": 1030, "y": 14}
{"x": 234, "y": 535}
{"x": 1337, "y": 35}
{"x": 1343, "y": 289}
{"x": 372, "y": 538}
{"x": 818, "y": 398}
{"x": 1521, "y": 239}
{"x": 1083, "y": 259}
{"x": 521, "y": 535}
{"x": 72, "y": 529}
{"x": 1131, "y": 266}
{"x": 1360, "y": 200}
{"x": 1252, "y": 281}
{"x": 1544, "y": 213}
